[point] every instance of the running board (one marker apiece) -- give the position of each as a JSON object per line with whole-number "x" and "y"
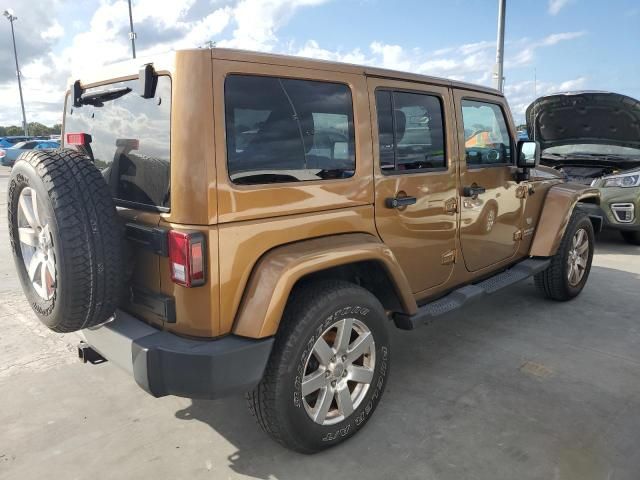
{"x": 469, "y": 293}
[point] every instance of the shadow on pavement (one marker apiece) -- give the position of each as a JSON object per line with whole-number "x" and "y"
{"x": 536, "y": 389}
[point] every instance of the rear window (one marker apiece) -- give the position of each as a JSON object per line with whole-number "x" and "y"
{"x": 130, "y": 142}
{"x": 285, "y": 130}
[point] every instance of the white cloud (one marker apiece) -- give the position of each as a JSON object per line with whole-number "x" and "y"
{"x": 250, "y": 24}
{"x": 555, "y": 38}
{"x": 527, "y": 48}
{"x": 521, "y": 94}
{"x": 54, "y": 32}
{"x": 258, "y": 20}
{"x": 556, "y": 5}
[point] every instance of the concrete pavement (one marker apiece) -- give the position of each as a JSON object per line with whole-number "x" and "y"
{"x": 517, "y": 387}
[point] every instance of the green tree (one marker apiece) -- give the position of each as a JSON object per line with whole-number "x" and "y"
{"x": 35, "y": 128}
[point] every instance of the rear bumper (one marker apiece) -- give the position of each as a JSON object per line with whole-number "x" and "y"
{"x": 164, "y": 364}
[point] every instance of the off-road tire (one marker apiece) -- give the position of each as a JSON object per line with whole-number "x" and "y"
{"x": 276, "y": 402}
{"x": 553, "y": 282}
{"x": 86, "y": 238}
{"x": 631, "y": 237}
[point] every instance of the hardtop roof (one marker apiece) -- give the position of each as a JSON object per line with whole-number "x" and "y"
{"x": 304, "y": 62}
{"x": 165, "y": 62}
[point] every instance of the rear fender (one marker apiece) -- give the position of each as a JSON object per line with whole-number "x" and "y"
{"x": 276, "y": 273}
{"x": 560, "y": 202}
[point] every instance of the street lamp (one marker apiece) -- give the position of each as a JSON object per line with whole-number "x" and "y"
{"x": 132, "y": 34}
{"x": 11, "y": 17}
{"x": 498, "y": 76}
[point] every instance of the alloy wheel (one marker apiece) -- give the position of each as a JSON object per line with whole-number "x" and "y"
{"x": 338, "y": 371}
{"x": 578, "y": 257}
{"x": 36, "y": 244}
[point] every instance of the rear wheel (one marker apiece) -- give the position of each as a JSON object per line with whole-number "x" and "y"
{"x": 570, "y": 266}
{"x": 631, "y": 237}
{"x": 328, "y": 368}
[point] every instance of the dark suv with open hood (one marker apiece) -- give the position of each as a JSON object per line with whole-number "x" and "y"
{"x": 593, "y": 138}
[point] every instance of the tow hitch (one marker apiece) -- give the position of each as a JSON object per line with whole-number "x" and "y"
{"x": 87, "y": 354}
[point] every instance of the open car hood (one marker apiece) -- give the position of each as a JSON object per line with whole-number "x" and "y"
{"x": 587, "y": 117}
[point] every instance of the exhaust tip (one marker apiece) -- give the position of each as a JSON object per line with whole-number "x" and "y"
{"x": 86, "y": 353}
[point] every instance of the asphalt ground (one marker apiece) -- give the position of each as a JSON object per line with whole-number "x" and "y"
{"x": 515, "y": 387}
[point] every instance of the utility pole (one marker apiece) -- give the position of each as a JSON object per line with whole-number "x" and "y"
{"x": 132, "y": 34}
{"x": 12, "y": 18}
{"x": 498, "y": 77}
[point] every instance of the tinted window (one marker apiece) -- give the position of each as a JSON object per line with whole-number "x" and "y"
{"x": 487, "y": 139}
{"x": 283, "y": 130}
{"x": 130, "y": 142}
{"x": 410, "y": 131}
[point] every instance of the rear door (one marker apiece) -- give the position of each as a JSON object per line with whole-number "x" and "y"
{"x": 130, "y": 145}
{"x": 415, "y": 177}
{"x": 492, "y": 201}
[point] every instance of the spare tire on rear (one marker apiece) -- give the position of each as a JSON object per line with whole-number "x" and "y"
{"x": 66, "y": 239}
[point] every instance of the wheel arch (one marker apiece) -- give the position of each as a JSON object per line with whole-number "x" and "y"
{"x": 559, "y": 204}
{"x": 360, "y": 258}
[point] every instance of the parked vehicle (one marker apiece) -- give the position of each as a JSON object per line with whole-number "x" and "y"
{"x": 593, "y": 138}
{"x": 308, "y": 207}
{"x": 6, "y": 142}
{"x": 8, "y": 156}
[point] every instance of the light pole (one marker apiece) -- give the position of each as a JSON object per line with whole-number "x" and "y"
{"x": 132, "y": 34}
{"x": 498, "y": 78}
{"x": 11, "y": 17}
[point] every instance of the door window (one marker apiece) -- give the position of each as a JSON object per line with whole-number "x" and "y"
{"x": 410, "y": 132}
{"x": 486, "y": 136}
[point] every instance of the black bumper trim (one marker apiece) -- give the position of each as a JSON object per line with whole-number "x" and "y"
{"x": 164, "y": 364}
{"x": 596, "y": 211}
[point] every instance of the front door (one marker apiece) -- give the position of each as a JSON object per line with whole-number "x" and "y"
{"x": 492, "y": 201}
{"x": 415, "y": 172}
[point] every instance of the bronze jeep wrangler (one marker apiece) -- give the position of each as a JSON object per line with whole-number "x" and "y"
{"x": 221, "y": 222}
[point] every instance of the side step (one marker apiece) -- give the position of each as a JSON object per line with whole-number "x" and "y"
{"x": 469, "y": 293}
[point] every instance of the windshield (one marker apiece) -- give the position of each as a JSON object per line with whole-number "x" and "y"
{"x": 594, "y": 149}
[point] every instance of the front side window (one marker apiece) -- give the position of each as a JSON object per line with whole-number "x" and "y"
{"x": 130, "y": 143}
{"x": 286, "y": 130}
{"x": 410, "y": 131}
{"x": 486, "y": 136}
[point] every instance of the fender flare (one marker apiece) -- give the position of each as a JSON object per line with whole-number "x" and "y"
{"x": 278, "y": 270}
{"x": 559, "y": 205}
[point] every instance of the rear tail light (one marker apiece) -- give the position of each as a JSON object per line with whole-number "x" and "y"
{"x": 78, "y": 139}
{"x": 3, "y": 153}
{"x": 186, "y": 258}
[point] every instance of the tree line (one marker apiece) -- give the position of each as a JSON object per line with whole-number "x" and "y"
{"x": 35, "y": 129}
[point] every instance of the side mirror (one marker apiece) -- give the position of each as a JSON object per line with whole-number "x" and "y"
{"x": 528, "y": 154}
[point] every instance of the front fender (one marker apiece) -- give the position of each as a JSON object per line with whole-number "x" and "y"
{"x": 559, "y": 204}
{"x": 278, "y": 270}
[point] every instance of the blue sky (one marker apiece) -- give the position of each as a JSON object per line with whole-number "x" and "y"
{"x": 569, "y": 44}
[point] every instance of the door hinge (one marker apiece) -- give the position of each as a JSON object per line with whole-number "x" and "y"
{"x": 449, "y": 257}
{"x": 451, "y": 205}
{"x": 517, "y": 235}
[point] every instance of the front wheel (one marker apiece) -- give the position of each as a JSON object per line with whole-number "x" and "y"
{"x": 567, "y": 275}
{"x": 328, "y": 368}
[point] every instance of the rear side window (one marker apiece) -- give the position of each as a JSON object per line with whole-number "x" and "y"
{"x": 486, "y": 136}
{"x": 130, "y": 142}
{"x": 410, "y": 131}
{"x": 284, "y": 130}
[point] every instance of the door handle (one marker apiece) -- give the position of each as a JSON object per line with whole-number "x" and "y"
{"x": 473, "y": 190}
{"x": 399, "y": 202}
